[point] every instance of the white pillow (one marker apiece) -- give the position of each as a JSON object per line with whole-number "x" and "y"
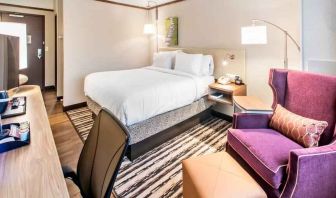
{"x": 207, "y": 67}
{"x": 165, "y": 59}
{"x": 189, "y": 63}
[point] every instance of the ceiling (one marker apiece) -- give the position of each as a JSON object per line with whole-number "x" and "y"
{"x": 142, "y": 3}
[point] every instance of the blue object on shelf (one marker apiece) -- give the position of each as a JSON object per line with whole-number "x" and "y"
{"x": 3, "y": 101}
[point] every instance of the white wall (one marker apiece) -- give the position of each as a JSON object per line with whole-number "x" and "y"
{"x": 99, "y": 37}
{"x": 319, "y": 33}
{"x": 48, "y": 4}
{"x": 217, "y": 23}
{"x": 49, "y": 35}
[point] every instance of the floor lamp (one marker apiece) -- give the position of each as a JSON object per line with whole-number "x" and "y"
{"x": 150, "y": 28}
{"x": 258, "y": 35}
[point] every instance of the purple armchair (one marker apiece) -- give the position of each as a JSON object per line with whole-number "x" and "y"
{"x": 285, "y": 168}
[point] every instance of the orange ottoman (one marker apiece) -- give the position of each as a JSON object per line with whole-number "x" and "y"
{"x": 218, "y": 175}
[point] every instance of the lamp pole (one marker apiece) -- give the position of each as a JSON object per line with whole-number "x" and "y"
{"x": 157, "y": 28}
{"x": 286, "y": 34}
{"x": 156, "y": 21}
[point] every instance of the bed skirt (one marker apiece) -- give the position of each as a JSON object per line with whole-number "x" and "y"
{"x": 144, "y": 130}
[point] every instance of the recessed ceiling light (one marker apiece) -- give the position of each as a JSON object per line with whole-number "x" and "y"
{"x": 16, "y": 15}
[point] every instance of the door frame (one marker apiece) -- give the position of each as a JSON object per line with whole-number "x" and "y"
{"x": 56, "y": 43}
{"x": 43, "y": 37}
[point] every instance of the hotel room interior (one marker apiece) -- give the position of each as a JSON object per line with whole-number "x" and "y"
{"x": 168, "y": 98}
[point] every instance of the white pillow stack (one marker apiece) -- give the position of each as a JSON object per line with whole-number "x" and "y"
{"x": 196, "y": 64}
{"x": 189, "y": 63}
{"x": 165, "y": 59}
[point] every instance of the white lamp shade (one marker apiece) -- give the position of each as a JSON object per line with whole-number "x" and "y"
{"x": 254, "y": 35}
{"x": 18, "y": 30}
{"x": 149, "y": 28}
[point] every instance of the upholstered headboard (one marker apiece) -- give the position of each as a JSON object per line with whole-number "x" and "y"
{"x": 234, "y": 66}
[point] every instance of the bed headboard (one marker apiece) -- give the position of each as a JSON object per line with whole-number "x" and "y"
{"x": 234, "y": 66}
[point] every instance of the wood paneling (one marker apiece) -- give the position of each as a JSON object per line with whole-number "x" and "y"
{"x": 33, "y": 170}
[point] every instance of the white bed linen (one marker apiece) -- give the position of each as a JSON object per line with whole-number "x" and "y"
{"x": 138, "y": 94}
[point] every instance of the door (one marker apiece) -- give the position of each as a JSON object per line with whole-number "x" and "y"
{"x": 35, "y": 45}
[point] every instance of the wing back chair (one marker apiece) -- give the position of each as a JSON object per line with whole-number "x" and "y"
{"x": 283, "y": 165}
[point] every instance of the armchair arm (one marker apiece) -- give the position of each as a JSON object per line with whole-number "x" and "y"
{"x": 312, "y": 173}
{"x": 250, "y": 121}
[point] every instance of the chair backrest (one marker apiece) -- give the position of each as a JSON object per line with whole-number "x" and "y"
{"x": 102, "y": 155}
{"x": 306, "y": 94}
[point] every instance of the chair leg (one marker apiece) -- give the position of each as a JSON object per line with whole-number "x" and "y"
{"x": 114, "y": 194}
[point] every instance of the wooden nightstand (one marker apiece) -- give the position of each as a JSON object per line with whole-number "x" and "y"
{"x": 226, "y": 91}
{"x": 250, "y": 104}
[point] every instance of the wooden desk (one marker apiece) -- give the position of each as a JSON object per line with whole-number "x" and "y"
{"x": 33, "y": 170}
{"x": 228, "y": 92}
{"x": 250, "y": 104}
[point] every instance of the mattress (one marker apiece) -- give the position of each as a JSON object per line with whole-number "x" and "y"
{"x": 147, "y": 92}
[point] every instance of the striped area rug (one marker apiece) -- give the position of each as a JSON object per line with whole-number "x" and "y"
{"x": 82, "y": 120}
{"x": 158, "y": 173}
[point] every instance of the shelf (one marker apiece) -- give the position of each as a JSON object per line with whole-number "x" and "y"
{"x": 227, "y": 91}
{"x": 223, "y": 100}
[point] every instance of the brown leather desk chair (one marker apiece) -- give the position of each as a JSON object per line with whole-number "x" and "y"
{"x": 101, "y": 156}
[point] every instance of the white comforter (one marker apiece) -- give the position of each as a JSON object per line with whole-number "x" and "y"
{"x": 138, "y": 94}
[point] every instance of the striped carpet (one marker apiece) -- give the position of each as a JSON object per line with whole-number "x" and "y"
{"x": 82, "y": 120}
{"x": 158, "y": 173}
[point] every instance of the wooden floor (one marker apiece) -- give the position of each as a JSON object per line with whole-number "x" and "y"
{"x": 67, "y": 141}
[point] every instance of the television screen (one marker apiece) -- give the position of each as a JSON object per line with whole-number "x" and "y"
{"x": 9, "y": 62}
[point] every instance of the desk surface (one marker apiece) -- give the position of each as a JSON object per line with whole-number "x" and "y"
{"x": 33, "y": 170}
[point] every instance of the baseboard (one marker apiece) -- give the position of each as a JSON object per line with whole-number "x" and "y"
{"x": 74, "y": 106}
{"x": 221, "y": 115}
{"x": 50, "y": 88}
{"x": 59, "y": 98}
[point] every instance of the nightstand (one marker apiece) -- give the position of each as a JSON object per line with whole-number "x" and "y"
{"x": 223, "y": 94}
{"x": 250, "y": 104}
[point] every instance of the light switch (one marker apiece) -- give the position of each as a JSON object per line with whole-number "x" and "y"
{"x": 29, "y": 39}
{"x": 46, "y": 48}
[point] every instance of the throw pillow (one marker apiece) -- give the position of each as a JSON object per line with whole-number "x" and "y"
{"x": 302, "y": 130}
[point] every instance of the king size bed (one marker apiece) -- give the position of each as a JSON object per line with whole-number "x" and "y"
{"x": 156, "y": 102}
